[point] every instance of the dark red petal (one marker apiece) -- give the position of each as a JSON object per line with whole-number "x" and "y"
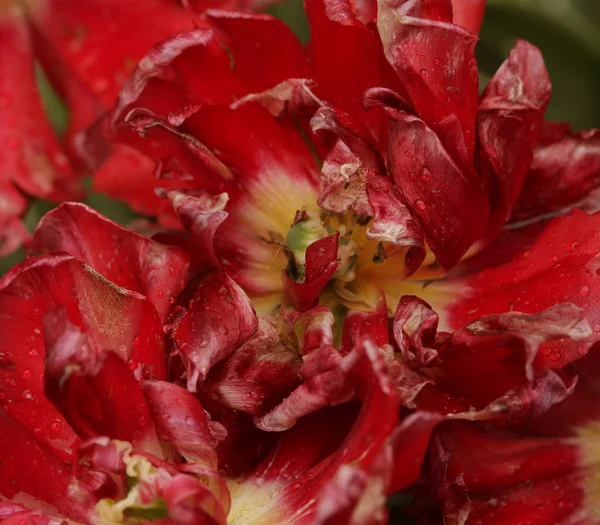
{"x": 451, "y": 211}
{"x": 510, "y": 115}
{"x": 112, "y": 318}
{"x": 217, "y": 319}
{"x": 93, "y": 387}
{"x": 415, "y": 327}
{"x": 31, "y": 157}
{"x": 468, "y": 14}
{"x": 180, "y": 421}
{"x": 321, "y": 264}
{"x": 435, "y": 61}
{"x": 561, "y": 266}
{"x": 561, "y": 174}
{"x": 121, "y": 256}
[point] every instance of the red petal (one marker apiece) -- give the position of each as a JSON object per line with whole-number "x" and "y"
{"x": 321, "y": 264}
{"x": 436, "y": 63}
{"x": 32, "y": 467}
{"x": 217, "y": 319}
{"x": 276, "y": 53}
{"x": 359, "y": 324}
{"x": 121, "y": 256}
{"x": 452, "y": 213}
{"x": 180, "y": 421}
{"x": 561, "y": 174}
{"x": 348, "y": 59}
{"x": 560, "y": 267}
{"x": 468, "y": 14}
{"x": 78, "y": 30}
{"x": 31, "y": 158}
{"x": 93, "y": 388}
{"x": 510, "y": 115}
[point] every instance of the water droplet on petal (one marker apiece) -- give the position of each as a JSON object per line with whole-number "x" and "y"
{"x": 584, "y": 291}
{"x": 420, "y": 204}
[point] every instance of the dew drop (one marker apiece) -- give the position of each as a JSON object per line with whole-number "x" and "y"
{"x": 56, "y": 426}
{"x": 26, "y": 373}
{"x": 426, "y": 175}
{"x": 172, "y": 271}
{"x": 584, "y": 291}
{"x": 161, "y": 294}
{"x": 420, "y": 204}
{"x": 424, "y": 73}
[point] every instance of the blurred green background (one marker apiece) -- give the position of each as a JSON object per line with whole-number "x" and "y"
{"x": 567, "y": 32}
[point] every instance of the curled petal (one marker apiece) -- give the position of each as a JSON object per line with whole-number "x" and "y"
{"x": 121, "y": 256}
{"x": 507, "y": 345}
{"x": 217, "y": 319}
{"x": 180, "y": 421}
{"x": 325, "y": 385}
{"x": 259, "y": 374}
{"x": 415, "y": 327}
{"x": 201, "y": 215}
{"x": 321, "y": 264}
{"x": 314, "y": 329}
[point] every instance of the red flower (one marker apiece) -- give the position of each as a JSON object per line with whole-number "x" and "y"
{"x": 425, "y": 178}
{"x": 94, "y": 432}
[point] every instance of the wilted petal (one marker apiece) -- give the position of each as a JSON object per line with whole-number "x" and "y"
{"x": 216, "y": 319}
{"x": 125, "y": 258}
{"x": 260, "y": 373}
{"x": 415, "y": 327}
{"x": 561, "y": 174}
{"x": 510, "y": 115}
